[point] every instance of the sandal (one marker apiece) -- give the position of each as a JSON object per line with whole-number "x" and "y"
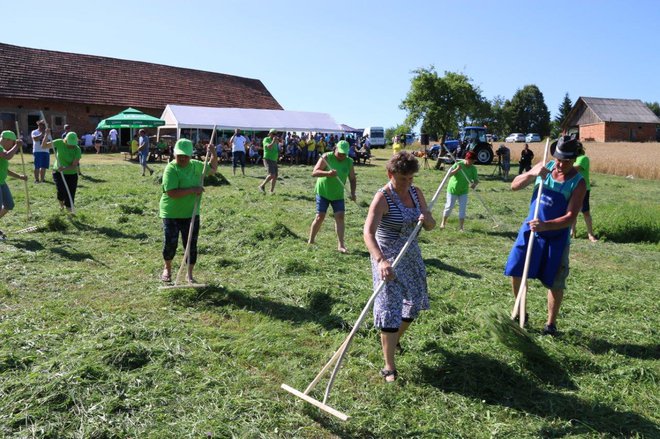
{"x": 166, "y": 277}
{"x": 386, "y": 373}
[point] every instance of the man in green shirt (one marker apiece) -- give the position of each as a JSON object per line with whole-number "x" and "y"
{"x": 463, "y": 177}
{"x": 582, "y": 165}
{"x": 332, "y": 170}
{"x": 8, "y": 147}
{"x": 271, "y": 153}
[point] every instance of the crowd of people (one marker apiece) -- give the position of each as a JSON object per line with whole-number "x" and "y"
{"x": 396, "y": 209}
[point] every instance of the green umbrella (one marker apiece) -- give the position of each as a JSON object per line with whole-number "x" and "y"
{"x": 130, "y": 118}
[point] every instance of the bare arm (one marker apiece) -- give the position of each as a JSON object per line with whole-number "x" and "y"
{"x": 428, "y": 222}
{"x": 15, "y": 175}
{"x": 353, "y": 180}
{"x": 523, "y": 180}
{"x": 320, "y": 169}
{"x": 8, "y": 154}
{"x": 214, "y": 159}
{"x": 377, "y": 209}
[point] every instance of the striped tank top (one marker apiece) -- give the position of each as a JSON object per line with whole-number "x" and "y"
{"x": 392, "y": 223}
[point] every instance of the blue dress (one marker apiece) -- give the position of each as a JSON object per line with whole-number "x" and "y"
{"x": 406, "y": 294}
{"x": 549, "y": 246}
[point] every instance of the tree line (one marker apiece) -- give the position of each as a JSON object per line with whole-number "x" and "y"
{"x": 445, "y": 103}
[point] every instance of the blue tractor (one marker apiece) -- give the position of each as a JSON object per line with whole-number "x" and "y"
{"x": 470, "y": 139}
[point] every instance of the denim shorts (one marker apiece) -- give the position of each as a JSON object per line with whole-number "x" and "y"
{"x": 322, "y": 204}
{"x": 6, "y": 201}
{"x": 41, "y": 160}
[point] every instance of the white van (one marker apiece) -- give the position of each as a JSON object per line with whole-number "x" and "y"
{"x": 376, "y": 135}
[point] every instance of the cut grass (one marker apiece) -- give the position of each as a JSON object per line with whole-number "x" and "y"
{"x": 92, "y": 348}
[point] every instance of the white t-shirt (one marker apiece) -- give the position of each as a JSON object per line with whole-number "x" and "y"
{"x": 238, "y": 145}
{"x": 36, "y": 147}
{"x": 113, "y": 135}
{"x": 89, "y": 139}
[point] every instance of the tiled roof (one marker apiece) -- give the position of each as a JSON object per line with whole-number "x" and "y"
{"x": 49, "y": 75}
{"x": 621, "y": 110}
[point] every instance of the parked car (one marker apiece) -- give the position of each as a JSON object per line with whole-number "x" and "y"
{"x": 532, "y": 137}
{"x": 515, "y": 137}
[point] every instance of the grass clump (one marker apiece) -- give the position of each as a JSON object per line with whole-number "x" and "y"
{"x": 628, "y": 223}
{"x": 56, "y": 223}
{"x": 275, "y": 231}
{"x": 129, "y": 209}
{"x": 216, "y": 179}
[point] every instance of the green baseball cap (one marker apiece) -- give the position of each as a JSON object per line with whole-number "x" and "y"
{"x": 343, "y": 147}
{"x": 272, "y": 131}
{"x": 71, "y": 138}
{"x": 8, "y": 135}
{"x": 183, "y": 147}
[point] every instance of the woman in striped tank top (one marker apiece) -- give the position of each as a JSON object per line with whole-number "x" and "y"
{"x": 393, "y": 215}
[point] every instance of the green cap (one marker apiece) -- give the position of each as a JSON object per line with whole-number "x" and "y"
{"x": 8, "y": 135}
{"x": 343, "y": 147}
{"x": 71, "y": 139}
{"x": 272, "y": 131}
{"x": 183, "y": 147}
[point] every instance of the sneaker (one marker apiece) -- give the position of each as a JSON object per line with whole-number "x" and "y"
{"x": 550, "y": 329}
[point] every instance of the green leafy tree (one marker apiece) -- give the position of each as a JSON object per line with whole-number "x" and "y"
{"x": 526, "y": 112}
{"x": 495, "y": 119}
{"x": 400, "y": 129}
{"x": 655, "y": 107}
{"x": 441, "y": 103}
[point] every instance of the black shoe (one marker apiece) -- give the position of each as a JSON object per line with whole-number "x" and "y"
{"x": 550, "y": 329}
{"x": 2, "y": 236}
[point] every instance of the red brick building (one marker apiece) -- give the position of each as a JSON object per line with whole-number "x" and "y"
{"x": 612, "y": 120}
{"x": 80, "y": 90}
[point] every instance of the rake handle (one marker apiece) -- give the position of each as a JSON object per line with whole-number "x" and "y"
{"x": 344, "y": 348}
{"x": 27, "y": 192}
{"x": 519, "y": 306}
{"x": 185, "y": 262}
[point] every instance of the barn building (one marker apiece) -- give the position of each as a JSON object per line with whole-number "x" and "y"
{"x": 81, "y": 90}
{"x": 612, "y": 120}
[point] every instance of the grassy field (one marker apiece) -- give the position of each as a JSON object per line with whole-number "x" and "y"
{"x": 633, "y": 160}
{"x": 91, "y": 348}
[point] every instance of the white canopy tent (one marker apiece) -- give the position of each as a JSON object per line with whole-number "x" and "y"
{"x": 188, "y": 117}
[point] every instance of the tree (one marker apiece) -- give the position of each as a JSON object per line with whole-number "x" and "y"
{"x": 441, "y": 103}
{"x": 654, "y": 106}
{"x": 526, "y": 112}
{"x": 401, "y": 129}
{"x": 565, "y": 108}
{"x": 495, "y": 119}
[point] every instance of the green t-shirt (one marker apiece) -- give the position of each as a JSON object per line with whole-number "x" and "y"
{"x": 458, "y": 185}
{"x": 176, "y": 177}
{"x": 4, "y": 167}
{"x": 65, "y": 156}
{"x": 583, "y": 163}
{"x": 329, "y": 187}
{"x": 270, "y": 152}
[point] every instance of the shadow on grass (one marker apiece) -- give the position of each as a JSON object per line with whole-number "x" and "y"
{"x": 91, "y": 179}
{"x": 107, "y": 231}
{"x": 319, "y": 307}
{"x": 300, "y": 197}
{"x": 75, "y": 256}
{"x": 28, "y": 244}
{"x": 642, "y": 352}
{"x": 437, "y": 263}
{"x": 485, "y": 379}
{"x": 505, "y": 234}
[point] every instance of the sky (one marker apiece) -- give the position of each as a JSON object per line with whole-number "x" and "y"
{"x": 354, "y": 59}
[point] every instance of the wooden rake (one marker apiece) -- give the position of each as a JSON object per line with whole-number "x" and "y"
{"x": 338, "y": 357}
{"x": 66, "y": 185}
{"x": 519, "y": 306}
{"x": 474, "y": 190}
{"x": 185, "y": 262}
{"x": 27, "y": 192}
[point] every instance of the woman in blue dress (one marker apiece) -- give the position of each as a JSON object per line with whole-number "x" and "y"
{"x": 393, "y": 215}
{"x": 561, "y": 201}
